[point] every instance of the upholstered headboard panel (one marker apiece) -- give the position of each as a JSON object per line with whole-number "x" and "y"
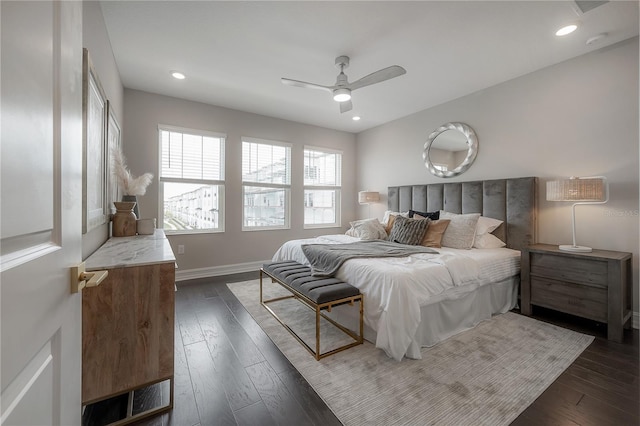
{"x": 513, "y": 201}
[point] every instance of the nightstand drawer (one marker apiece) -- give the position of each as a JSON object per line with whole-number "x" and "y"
{"x": 581, "y": 300}
{"x": 569, "y": 269}
{"x": 595, "y": 285}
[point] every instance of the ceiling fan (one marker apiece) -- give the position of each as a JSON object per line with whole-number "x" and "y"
{"x": 342, "y": 89}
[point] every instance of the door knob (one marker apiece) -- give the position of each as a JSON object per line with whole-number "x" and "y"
{"x": 81, "y": 279}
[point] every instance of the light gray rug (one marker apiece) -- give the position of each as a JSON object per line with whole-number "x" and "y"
{"x": 484, "y": 376}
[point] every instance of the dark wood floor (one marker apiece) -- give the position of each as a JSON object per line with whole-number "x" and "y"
{"x": 227, "y": 371}
{"x": 601, "y": 387}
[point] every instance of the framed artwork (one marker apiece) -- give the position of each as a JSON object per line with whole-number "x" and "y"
{"x": 94, "y": 148}
{"x": 113, "y": 143}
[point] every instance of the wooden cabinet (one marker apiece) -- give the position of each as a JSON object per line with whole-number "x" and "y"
{"x": 128, "y": 320}
{"x": 594, "y": 285}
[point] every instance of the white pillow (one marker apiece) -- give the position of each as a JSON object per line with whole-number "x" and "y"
{"x": 461, "y": 230}
{"x": 487, "y": 225}
{"x": 388, "y": 213}
{"x": 351, "y": 232}
{"x": 484, "y": 238}
{"x": 367, "y": 229}
{"x": 487, "y": 241}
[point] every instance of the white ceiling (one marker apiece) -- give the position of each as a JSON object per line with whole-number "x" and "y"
{"x": 234, "y": 53}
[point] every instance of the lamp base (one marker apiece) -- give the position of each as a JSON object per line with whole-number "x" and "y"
{"x": 578, "y": 249}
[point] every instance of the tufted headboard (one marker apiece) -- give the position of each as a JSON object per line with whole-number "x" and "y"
{"x": 513, "y": 201}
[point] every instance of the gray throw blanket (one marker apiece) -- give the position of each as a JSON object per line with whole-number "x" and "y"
{"x": 326, "y": 259}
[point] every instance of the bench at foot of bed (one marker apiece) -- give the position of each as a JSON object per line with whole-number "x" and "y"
{"x": 318, "y": 293}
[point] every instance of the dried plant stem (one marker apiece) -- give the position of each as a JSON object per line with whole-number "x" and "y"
{"x": 128, "y": 183}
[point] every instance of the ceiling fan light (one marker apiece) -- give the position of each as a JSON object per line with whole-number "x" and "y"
{"x": 341, "y": 95}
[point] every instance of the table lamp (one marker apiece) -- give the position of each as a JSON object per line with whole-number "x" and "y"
{"x": 581, "y": 190}
{"x": 368, "y": 197}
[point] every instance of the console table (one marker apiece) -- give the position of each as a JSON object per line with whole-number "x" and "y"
{"x": 594, "y": 285}
{"x": 128, "y": 321}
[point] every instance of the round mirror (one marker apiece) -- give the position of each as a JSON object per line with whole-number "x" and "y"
{"x": 450, "y": 150}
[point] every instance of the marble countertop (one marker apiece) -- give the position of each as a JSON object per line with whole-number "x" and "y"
{"x": 140, "y": 250}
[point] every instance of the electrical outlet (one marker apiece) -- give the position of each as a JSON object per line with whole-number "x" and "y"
{"x": 180, "y": 249}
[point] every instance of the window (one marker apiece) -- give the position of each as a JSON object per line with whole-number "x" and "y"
{"x": 191, "y": 180}
{"x": 322, "y": 181}
{"x": 266, "y": 184}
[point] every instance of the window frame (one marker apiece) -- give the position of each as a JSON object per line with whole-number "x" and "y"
{"x": 220, "y": 183}
{"x": 285, "y": 187}
{"x": 337, "y": 188}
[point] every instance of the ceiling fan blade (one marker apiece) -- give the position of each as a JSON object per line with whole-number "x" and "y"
{"x": 378, "y": 76}
{"x": 345, "y": 106}
{"x": 303, "y": 84}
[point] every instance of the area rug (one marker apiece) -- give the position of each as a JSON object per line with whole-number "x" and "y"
{"x": 484, "y": 376}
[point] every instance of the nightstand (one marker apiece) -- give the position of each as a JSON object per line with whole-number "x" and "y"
{"x": 594, "y": 285}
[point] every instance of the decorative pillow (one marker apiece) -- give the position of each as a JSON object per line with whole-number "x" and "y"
{"x": 435, "y": 231}
{"x": 487, "y": 225}
{"x": 408, "y": 231}
{"x": 367, "y": 229}
{"x": 461, "y": 231}
{"x": 387, "y": 214}
{"x": 389, "y": 217}
{"x": 426, "y": 215}
{"x": 390, "y": 222}
{"x": 484, "y": 238}
{"x": 487, "y": 241}
{"x": 351, "y": 232}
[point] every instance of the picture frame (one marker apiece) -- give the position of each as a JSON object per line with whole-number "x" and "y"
{"x": 114, "y": 141}
{"x": 94, "y": 149}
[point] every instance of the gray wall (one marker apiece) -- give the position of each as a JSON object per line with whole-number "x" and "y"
{"x": 577, "y": 118}
{"x": 219, "y": 253}
{"x": 96, "y": 39}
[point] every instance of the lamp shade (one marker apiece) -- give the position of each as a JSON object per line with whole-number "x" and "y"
{"x": 366, "y": 197}
{"x": 587, "y": 190}
{"x": 577, "y": 189}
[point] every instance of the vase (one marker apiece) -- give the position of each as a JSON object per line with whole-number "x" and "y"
{"x": 133, "y": 198}
{"x": 124, "y": 220}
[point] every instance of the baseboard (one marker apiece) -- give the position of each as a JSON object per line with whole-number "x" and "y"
{"x": 635, "y": 320}
{"x": 214, "y": 271}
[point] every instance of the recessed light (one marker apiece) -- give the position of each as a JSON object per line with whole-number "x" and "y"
{"x": 355, "y": 118}
{"x": 566, "y": 30}
{"x": 178, "y": 75}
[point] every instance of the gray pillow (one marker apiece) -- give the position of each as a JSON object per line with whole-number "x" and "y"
{"x": 461, "y": 230}
{"x": 408, "y": 231}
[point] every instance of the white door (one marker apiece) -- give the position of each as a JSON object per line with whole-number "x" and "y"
{"x": 40, "y": 211}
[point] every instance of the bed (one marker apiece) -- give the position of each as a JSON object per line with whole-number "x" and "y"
{"x": 420, "y": 300}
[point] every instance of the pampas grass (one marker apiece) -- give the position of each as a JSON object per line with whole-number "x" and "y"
{"x": 128, "y": 183}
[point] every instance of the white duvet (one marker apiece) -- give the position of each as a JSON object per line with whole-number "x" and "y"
{"x": 395, "y": 288}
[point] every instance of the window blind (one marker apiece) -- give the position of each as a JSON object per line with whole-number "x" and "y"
{"x": 188, "y": 156}
{"x": 322, "y": 168}
{"x": 266, "y": 163}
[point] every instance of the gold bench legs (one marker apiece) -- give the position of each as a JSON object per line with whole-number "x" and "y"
{"x": 358, "y": 339}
